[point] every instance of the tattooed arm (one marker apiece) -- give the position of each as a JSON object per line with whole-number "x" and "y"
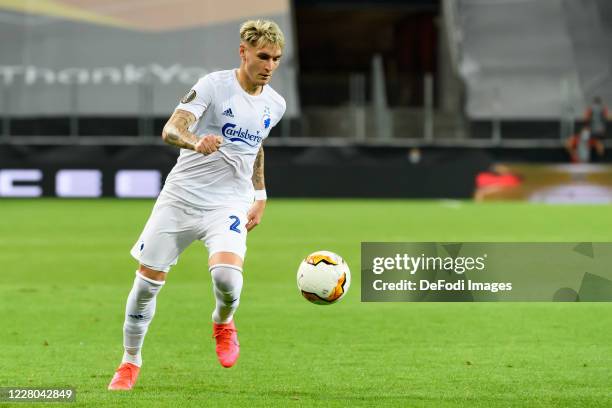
{"x": 258, "y": 171}
{"x": 255, "y": 214}
{"x": 176, "y": 133}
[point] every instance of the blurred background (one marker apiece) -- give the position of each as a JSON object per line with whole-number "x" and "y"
{"x": 492, "y": 100}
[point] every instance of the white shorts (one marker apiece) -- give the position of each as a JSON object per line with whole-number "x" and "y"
{"x": 171, "y": 229}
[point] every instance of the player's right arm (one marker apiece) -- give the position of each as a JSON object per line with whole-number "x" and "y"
{"x": 176, "y": 132}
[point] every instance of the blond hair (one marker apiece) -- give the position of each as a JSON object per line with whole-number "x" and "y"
{"x": 261, "y": 32}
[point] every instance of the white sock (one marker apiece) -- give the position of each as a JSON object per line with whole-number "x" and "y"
{"x": 133, "y": 359}
{"x": 139, "y": 312}
{"x": 227, "y": 285}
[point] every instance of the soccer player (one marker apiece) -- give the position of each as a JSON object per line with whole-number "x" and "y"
{"x": 215, "y": 193}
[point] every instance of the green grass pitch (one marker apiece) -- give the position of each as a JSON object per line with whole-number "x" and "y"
{"x": 66, "y": 272}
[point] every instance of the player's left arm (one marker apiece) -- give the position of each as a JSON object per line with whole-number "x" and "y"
{"x": 256, "y": 211}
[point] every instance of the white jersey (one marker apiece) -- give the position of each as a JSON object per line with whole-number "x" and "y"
{"x": 223, "y": 108}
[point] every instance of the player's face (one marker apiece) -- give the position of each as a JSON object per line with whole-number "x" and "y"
{"x": 259, "y": 63}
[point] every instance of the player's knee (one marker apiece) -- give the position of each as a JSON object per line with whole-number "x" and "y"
{"x": 152, "y": 274}
{"x": 145, "y": 289}
{"x": 226, "y": 278}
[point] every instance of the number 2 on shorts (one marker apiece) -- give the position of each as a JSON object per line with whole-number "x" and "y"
{"x": 235, "y": 224}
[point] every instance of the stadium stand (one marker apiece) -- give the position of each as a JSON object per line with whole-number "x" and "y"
{"x": 531, "y": 66}
{"x": 515, "y": 56}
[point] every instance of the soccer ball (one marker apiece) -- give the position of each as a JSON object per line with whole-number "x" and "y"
{"x": 323, "y": 277}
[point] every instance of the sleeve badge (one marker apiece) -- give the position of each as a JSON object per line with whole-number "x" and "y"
{"x": 189, "y": 96}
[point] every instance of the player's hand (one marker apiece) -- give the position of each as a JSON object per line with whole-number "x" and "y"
{"x": 255, "y": 214}
{"x": 208, "y": 144}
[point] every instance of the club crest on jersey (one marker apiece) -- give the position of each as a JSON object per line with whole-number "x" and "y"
{"x": 266, "y": 120}
{"x": 230, "y": 132}
{"x": 189, "y": 96}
